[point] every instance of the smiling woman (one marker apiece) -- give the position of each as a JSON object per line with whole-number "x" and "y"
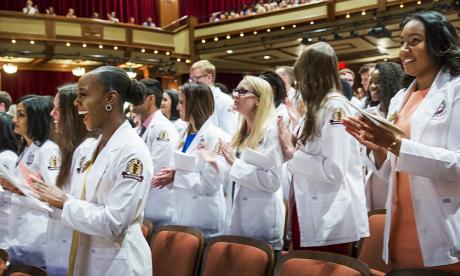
{"x": 422, "y": 168}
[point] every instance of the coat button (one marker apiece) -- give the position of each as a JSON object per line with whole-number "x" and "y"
{"x": 245, "y": 198}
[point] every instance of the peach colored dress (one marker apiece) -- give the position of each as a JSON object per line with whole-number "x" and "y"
{"x": 404, "y": 246}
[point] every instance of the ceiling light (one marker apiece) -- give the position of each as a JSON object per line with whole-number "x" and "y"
{"x": 229, "y": 51}
{"x": 216, "y": 38}
{"x": 228, "y": 36}
{"x": 255, "y": 32}
{"x": 13, "y": 41}
{"x": 67, "y": 44}
{"x": 268, "y": 30}
{"x": 32, "y": 42}
{"x": 84, "y": 45}
{"x": 299, "y": 39}
{"x": 188, "y": 61}
{"x": 282, "y": 28}
{"x": 100, "y": 46}
{"x": 379, "y": 32}
{"x": 168, "y": 53}
{"x": 401, "y": 5}
{"x": 266, "y": 57}
{"x": 78, "y": 71}
{"x": 241, "y": 34}
{"x": 115, "y": 47}
{"x": 363, "y": 12}
{"x": 312, "y": 22}
{"x": 178, "y": 59}
{"x": 10, "y": 68}
{"x": 155, "y": 52}
{"x": 348, "y": 15}
{"x": 294, "y": 26}
{"x": 306, "y": 40}
{"x": 143, "y": 50}
{"x": 419, "y": 2}
{"x": 203, "y": 41}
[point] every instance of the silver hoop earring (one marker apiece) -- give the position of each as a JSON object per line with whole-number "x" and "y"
{"x": 108, "y": 107}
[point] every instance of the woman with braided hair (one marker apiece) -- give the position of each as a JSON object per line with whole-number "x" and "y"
{"x": 116, "y": 172}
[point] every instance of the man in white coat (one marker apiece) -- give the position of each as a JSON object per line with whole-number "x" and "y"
{"x": 223, "y": 117}
{"x": 161, "y": 138}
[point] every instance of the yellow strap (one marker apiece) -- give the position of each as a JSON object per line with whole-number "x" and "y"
{"x": 76, "y": 234}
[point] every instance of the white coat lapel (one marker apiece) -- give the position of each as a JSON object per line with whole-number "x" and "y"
{"x": 425, "y": 111}
{"x": 201, "y": 137}
{"x": 104, "y": 158}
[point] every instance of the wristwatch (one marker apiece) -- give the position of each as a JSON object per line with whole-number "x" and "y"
{"x": 395, "y": 146}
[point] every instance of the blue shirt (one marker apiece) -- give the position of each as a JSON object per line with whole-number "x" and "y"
{"x": 188, "y": 141}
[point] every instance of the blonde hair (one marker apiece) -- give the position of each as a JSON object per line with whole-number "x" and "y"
{"x": 264, "y": 114}
{"x": 205, "y": 66}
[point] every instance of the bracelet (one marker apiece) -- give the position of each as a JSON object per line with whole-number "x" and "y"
{"x": 396, "y": 144}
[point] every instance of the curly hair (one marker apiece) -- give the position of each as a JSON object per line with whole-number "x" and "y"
{"x": 390, "y": 82}
{"x": 441, "y": 39}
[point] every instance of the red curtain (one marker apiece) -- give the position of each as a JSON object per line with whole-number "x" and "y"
{"x": 139, "y": 9}
{"x": 34, "y": 82}
{"x": 203, "y": 9}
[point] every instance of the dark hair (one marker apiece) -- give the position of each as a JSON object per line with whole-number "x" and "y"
{"x": 277, "y": 84}
{"x": 6, "y": 99}
{"x": 441, "y": 39}
{"x": 8, "y": 139}
{"x": 153, "y": 87}
{"x": 199, "y": 102}
{"x": 38, "y": 109}
{"x": 174, "y": 95}
{"x": 366, "y": 67}
{"x": 222, "y": 87}
{"x": 73, "y": 131}
{"x": 390, "y": 82}
{"x": 116, "y": 79}
{"x": 347, "y": 90}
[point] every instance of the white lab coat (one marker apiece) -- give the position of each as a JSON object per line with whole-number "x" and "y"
{"x": 432, "y": 158}
{"x": 199, "y": 193}
{"x": 8, "y": 159}
{"x": 224, "y": 117}
{"x": 256, "y": 208}
{"x": 328, "y": 181}
{"x": 282, "y": 111}
{"x": 111, "y": 240}
{"x": 161, "y": 138}
{"x": 28, "y": 224}
{"x": 59, "y": 237}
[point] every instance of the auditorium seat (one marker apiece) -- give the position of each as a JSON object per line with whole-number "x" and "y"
{"x": 370, "y": 249}
{"x": 235, "y": 255}
{"x": 176, "y": 251}
{"x": 316, "y": 263}
{"x": 25, "y": 270}
{"x": 147, "y": 227}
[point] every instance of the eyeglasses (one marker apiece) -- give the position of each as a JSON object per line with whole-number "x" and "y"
{"x": 195, "y": 78}
{"x": 240, "y": 92}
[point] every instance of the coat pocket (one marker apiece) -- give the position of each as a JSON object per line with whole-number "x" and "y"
{"x": 109, "y": 261}
{"x": 333, "y": 217}
{"x": 258, "y": 218}
{"x": 206, "y": 212}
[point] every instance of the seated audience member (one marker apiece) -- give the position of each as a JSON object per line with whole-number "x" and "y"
{"x": 50, "y": 11}
{"x": 112, "y": 16}
{"x": 132, "y": 20}
{"x": 29, "y": 9}
{"x": 149, "y": 23}
{"x": 5, "y": 101}
{"x": 95, "y": 15}
{"x": 71, "y": 13}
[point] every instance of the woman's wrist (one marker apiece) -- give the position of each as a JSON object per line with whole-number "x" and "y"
{"x": 395, "y": 146}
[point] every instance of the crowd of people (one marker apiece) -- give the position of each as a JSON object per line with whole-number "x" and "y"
{"x": 225, "y": 165}
{"x": 258, "y": 7}
{"x": 31, "y": 9}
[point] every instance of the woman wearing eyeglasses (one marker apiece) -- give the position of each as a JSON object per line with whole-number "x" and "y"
{"x": 198, "y": 174}
{"x": 255, "y": 200}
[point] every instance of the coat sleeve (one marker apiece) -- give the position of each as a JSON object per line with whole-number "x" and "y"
{"x": 162, "y": 147}
{"x": 227, "y": 118}
{"x": 50, "y": 162}
{"x": 123, "y": 202}
{"x": 328, "y": 162}
{"x": 256, "y": 178}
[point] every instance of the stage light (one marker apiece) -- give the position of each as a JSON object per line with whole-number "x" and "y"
{"x": 10, "y": 68}
{"x": 379, "y": 32}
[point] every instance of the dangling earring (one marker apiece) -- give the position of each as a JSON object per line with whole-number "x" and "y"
{"x": 108, "y": 107}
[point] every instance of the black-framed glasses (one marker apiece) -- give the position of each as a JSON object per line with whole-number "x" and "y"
{"x": 240, "y": 92}
{"x": 195, "y": 78}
